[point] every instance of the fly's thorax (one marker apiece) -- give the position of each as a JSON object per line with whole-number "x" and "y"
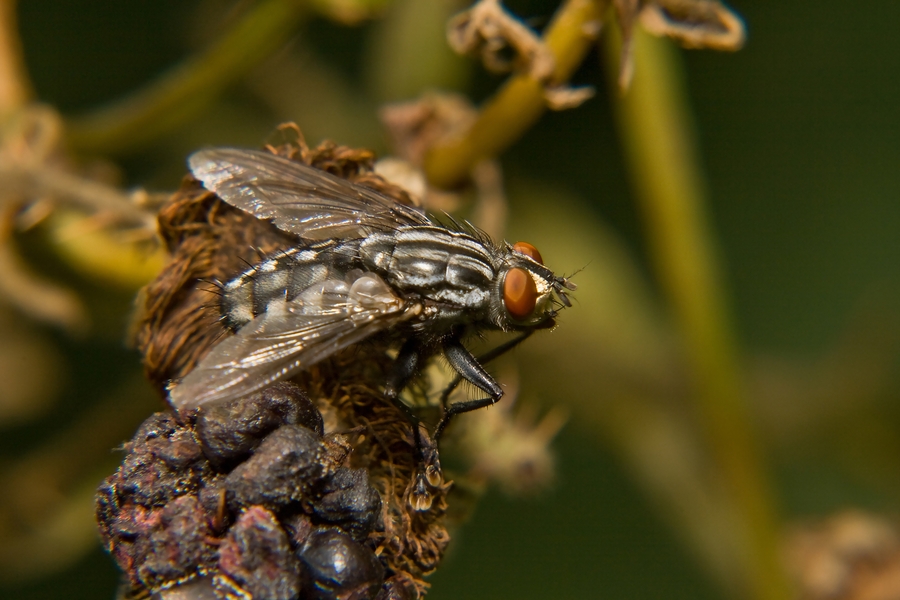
{"x": 284, "y": 277}
{"x": 444, "y": 266}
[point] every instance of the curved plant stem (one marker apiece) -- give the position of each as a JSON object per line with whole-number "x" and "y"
{"x": 175, "y": 97}
{"x": 655, "y": 126}
{"x": 15, "y": 86}
{"x": 520, "y": 102}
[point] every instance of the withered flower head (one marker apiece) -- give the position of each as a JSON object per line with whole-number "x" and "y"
{"x": 299, "y": 490}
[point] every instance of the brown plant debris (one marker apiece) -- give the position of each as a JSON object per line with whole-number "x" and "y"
{"x": 701, "y": 24}
{"x": 364, "y": 436}
{"x": 414, "y": 128}
{"x": 561, "y": 97}
{"x": 282, "y": 516}
{"x": 512, "y": 450}
{"x": 695, "y": 24}
{"x": 848, "y": 556}
{"x": 506, "y": 44}
{"x": 488, "y": 30}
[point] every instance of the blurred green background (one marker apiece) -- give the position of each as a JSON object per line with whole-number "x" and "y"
{"x": 799, "y": 136}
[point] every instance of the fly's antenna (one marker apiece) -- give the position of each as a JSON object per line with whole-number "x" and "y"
{"x": 567, "y": 278}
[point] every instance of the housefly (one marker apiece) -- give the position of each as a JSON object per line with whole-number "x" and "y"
{"x": 364, "y": 264}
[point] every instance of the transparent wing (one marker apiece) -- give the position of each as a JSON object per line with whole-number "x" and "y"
{"x": 290, "y": 337}
{"x": 296, "y": 198}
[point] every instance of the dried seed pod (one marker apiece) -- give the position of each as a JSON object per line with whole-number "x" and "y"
{"x": 397, "y": 588}
{"x": 230, "y": 432}
{"x": 348, "y": 501}
{"x": 256, "y": 559}
{"x": 164, "y": 461}
{"x": 298, "y": 526}
{"x": 200, "y": 588}
{"x": 148, "y": 512}
{"x": 178, "y": 547}
{"x": 338, "y": 567}
{"x": 281, "y": 471}
{"x": 170, "y": 519}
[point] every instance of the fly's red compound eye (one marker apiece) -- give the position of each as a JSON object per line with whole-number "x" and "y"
{"x": 519, "y": 293}
{"x": 529, "y": 251}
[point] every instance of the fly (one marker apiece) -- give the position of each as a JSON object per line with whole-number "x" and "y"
{"x": 364, "y": 264}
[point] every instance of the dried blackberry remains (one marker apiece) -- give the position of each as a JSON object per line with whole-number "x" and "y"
{"x": 297, "y": 491}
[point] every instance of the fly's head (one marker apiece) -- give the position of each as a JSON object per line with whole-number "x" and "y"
{"x": 527, "y": 295}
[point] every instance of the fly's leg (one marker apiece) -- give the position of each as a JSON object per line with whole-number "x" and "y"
{"x": 404, "y": 368}
{"x": 485, "y": 358}
{"x": 470, "y": 368}
{"x": 429, "y": 464}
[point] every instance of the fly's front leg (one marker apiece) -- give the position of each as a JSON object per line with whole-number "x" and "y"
{"x": 483, "y": 360}
{"x": 471, "y": 370}
{"x": 429, "y": 464}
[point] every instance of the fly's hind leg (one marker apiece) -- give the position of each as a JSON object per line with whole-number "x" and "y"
{"x": 428, "y": 471}
{"x": 470, "y": 369}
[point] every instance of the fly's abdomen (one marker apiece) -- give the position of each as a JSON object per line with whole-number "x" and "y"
{"x": 284, "y": 277}
{"x": 437, "y": 263}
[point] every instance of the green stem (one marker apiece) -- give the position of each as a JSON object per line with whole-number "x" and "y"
{"x": 520, "y": 103}
{"x": 655, "y": 125}
{"x": 168, "y": 102}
